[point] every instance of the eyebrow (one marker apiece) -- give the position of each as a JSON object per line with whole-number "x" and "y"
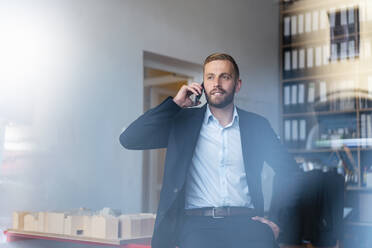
{"x": 222, "y": 74}
{"x": 225, "y": 73}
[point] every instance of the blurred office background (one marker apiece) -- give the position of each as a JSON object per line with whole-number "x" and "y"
{"x": 74, "y": 74}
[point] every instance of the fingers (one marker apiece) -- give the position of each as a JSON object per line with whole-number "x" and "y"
{"x": 183, "y": 96}
{"x": 274, "y": 227}
{"x": 197, "y": 87}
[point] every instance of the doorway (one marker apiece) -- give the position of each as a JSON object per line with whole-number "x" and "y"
{"x": 163, "y": 76}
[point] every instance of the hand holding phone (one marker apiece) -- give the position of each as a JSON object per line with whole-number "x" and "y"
{"x": 197, "y": 97}
{"x": 189, "y": 95}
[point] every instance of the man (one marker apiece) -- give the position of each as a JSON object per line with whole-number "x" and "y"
{"x": 212, "y": 194}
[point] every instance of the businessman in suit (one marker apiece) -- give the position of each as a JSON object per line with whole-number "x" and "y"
{"x": 212, "y": 194}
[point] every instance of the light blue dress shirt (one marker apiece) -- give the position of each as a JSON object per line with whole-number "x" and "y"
{"x": 217, "y": 176}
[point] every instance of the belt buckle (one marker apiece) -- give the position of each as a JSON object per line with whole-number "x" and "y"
{"x": 214, "y": 214}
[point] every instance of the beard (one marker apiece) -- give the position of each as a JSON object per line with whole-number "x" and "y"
{"x": 220, "y": 102}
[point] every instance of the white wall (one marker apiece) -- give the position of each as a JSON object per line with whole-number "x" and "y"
{"x": 82, "y": 72}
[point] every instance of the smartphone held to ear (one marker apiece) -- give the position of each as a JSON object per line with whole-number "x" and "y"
{"x": 197, "y": 97}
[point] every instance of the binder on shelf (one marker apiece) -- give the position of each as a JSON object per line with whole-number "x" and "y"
{"x": 300, "y": 24}
{"x": 332, "y": 17}
{"x": 326, "y": 54}
{"x": 343, "y": 17}
{"x": 323, "y": 91}
{"x": 294, "y": 25}
{"x": 301, "y": 98}
{"x": 350, "y": 17}
{"x": 315, "y": 21}
{"x": 334, "y": 96}
{"x": 294, "y": 130}
{"x": 321, "y": 102}
{"x": 287, "y": 131}
{"x": 294, "y": 60}
{"x": 294, "y": 99}
{"x": 308, "y": 22}
{"x": 302, "y": 133}
{"x": 301, "y": 64}
{"x": 287, "y": 98}
{"x": 311, "y": 96}
{"x": 310, "y": 57}
{"x": 351, "y": 49}
{"x": 287, "y": 64}
{"x": 323, "y": 19}
{"x": 353, "y": 20}
{"x": 287, "y": 26}
{"x": 343, "y": 50}
{"x": 369, "y": 129}
{"x": 364, "y": 94}
{"x": 342, "y": 93}
{"x": 363, "y": 130}
{"x": 295, "y": 133}
{"x": 318, "y": 56}
{"x": 334, "y": 52}
{"x": 351, "y": 96}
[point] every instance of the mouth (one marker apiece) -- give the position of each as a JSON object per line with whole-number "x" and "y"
{"x": 217, "y": 93}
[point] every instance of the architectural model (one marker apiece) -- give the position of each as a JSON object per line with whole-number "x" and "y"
{"x": 105, "y": 224}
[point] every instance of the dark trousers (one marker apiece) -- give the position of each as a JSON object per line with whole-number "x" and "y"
{"x": 227, "y": 232}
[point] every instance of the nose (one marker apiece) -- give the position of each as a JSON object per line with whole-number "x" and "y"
{"x": 216, "y": 82}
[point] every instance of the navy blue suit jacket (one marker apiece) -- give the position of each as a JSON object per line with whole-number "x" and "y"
{"x": 177, "y": 129}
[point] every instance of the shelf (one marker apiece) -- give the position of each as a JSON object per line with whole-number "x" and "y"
{"x": 366, "y": 149}
{"x": 359, "y": 224}
{"x": 303, "y": 41}
{"x": 326, "y": 150}
{"x": 365, "y": 110}
{"x": 306, "y": 5}
{"x": 319, "y": 113}
{"x": 326, "y": 75}
{"x": 15, "y": 235}
{"x": 355, "y": 188}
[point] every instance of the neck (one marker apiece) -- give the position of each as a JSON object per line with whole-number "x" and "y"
{"x": 223, "y": 115}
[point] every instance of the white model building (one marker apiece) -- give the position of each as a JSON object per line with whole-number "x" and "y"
{"x": 42, "y": 221}
{"x": 105, "y": 227}
{"x": 105, "y": 224}
{"x": 18, "y": 220}
{"x": 55, "y": 223}
{"x": 136, "y": 225}
{"x": 31, "y": 222}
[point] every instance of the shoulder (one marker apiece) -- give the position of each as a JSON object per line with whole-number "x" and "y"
{"x": 189, "y": 112}
{"x": 251, "y": 117}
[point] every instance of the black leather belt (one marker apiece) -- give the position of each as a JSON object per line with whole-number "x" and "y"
{"x": 221, "y": 212}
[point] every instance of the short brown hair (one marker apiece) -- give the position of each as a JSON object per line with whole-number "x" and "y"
{"x": 222, "y": 56}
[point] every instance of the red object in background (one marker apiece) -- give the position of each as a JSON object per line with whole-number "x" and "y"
{"x": 12, "y": 237}
{"x": 137, "y": 246}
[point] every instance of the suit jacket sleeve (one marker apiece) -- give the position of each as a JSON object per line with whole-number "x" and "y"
{"x": 151, "y": 130}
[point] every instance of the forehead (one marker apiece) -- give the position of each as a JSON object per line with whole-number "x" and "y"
{"x": 219, "y": 66}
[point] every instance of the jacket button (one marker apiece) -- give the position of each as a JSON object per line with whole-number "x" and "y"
{"x": 175, "y": 190}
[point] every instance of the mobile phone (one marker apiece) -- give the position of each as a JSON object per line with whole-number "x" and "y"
{"x": 197, "y": 97}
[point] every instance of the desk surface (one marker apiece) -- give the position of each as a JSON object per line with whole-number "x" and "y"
{"x": 14, "y": 235}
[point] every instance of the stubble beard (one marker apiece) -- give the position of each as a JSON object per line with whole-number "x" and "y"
{"x": 226, "y": 101}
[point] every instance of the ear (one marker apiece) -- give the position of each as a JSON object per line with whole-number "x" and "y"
{"x": 238, "y": 85}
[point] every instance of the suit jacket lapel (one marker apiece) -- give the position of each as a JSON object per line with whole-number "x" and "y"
{"x": 245, "y": 136}
{"x": 187, "y": 134}
{"x": 248, "y": 143}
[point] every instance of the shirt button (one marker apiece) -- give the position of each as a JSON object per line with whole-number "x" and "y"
{"x": 175, "y": 190}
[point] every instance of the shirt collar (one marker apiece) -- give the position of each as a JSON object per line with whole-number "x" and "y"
{"x": 209, "y": 116}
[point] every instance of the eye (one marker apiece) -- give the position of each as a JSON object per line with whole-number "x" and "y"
{"x": 209, "y": 77}
{"x": 226, "y": 77}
